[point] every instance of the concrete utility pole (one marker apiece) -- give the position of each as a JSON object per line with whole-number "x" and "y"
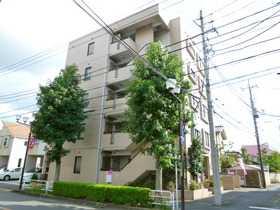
{"x": 255, "y": 115}
{"x": 214, "y": 146}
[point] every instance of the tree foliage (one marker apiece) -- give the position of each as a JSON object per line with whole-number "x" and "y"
{"x": 273, "y": 161}
{"x": 196, "y": 157}
{"x": 152, "y": 118}
{"x": 61, "y": 112}
{"x": 246, "y": 156}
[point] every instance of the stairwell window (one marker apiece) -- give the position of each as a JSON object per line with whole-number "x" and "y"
{"x": 90, "y": 48}
{"x": 77, "y": 164}
{"x": 88, "y": 72}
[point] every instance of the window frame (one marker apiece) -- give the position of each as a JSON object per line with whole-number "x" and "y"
{"x": 90, "y": 49}
{"x": 87, "y": 75}
{"x": 206, "y": 139}
{"x": 77, "y": 165}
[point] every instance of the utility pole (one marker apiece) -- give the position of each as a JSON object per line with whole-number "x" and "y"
{"x": 255, "y": 115}
{"x": 214, "y": 149}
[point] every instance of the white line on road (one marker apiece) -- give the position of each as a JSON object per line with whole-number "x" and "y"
{"x": 263, "y": 208}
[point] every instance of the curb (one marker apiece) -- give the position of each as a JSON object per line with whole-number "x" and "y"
{"x": 79, "y": 201}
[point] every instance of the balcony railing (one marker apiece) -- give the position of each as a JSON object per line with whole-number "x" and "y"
{"x": 118, "y": 48}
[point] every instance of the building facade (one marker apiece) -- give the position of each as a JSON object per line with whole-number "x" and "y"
{"x": 105, "y": 65}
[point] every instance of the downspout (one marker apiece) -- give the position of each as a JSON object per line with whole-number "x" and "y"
{"x": 102, "y": 113}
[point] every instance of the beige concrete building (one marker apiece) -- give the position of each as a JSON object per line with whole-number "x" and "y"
{"x": 105, "y": 66}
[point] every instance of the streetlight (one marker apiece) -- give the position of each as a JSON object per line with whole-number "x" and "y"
{"x": 175, "y": 89}
{"x": 25, "y": 119}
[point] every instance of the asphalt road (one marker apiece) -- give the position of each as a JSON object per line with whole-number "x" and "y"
{"x": 242, "y": 199}
{"x": 238, "y": 199}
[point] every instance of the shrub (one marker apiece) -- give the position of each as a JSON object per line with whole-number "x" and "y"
{"x": 193, "y": 185}
{"x": 170, "y": 185}
{"x": 34, "y": 176}
{"x": 150, "y": 184}
{"x": 209, "y": 182}
{"x": 123, "y": 195}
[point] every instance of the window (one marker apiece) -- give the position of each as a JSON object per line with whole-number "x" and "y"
{"x": 110, "y": 94}
{"x": 25, "y": 143}
{"x": 194, "y": 103}
{"x": 1, "y": 140}
{"x": 193, "y": 74}
{"x": 206, "y": 139}
{"x": 6, "y": 141}
{"x": 88, "y": 72}
{"x": 196, "y": 133}
{"x": 19, "y": 162}
{"x": 117, "y": 127}
{"x": 90, "y": 48}
{"x": 108, "y": 127}
{"x": 81, "y": 135}
{"x": 202, "y": 87}
{"x": 205, "y": 112}
{"x": 85, "y": 97}
{"x": 77, "y": 164}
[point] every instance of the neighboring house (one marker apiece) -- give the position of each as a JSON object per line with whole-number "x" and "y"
{"x": 252, "y": 150}
{"x": 13, "y": 143}
{"x": 105, "y": 65}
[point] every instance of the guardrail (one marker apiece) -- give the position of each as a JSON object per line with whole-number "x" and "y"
{"x": 163, "y": 198}
{"x": 38, "y": 184}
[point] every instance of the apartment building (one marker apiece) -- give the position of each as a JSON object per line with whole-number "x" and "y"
{"x": 103, "y": 154}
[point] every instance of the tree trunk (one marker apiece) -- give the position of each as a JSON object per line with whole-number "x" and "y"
{"x": 57, "y": 171}
{"x": 158, "y": 177}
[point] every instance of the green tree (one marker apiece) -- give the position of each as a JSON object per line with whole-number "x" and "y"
{"x": 273, "y": 161}
{"x": 61, "y": 112}
{"x": 246, "y": 157}
{"x": 196, "y": 158}
{"x": 152, "y": 117}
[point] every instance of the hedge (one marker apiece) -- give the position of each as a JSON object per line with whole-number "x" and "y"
{"x": 122, "y": 195}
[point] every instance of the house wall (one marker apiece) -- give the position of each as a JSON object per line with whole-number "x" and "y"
{"x": 18, "y": 151}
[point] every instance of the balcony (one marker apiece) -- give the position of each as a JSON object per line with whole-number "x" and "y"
{"x": 118, "y": 52}
{"x": 118, "y": 76}
{"x": 116, "y": 141}
{"x": 115, "y": 107}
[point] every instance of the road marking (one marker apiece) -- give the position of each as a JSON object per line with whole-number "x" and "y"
{"x": 7, "y": 190}
{"x": 263, "y": 208}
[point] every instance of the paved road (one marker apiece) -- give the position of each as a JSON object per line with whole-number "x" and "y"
{"x": 242, "y": 199}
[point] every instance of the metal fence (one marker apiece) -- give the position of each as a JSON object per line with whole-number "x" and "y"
{"x": 163, "y": 198}
{"x": 38, "y": 184}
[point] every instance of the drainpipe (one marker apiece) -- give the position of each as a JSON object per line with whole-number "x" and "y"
{"x": 102, "y": 114}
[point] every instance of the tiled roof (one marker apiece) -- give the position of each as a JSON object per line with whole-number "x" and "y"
{"x": 253, "y": 149}
{"x": 17, "y": 130}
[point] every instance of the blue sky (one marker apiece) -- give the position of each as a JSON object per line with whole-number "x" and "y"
{"x": 35, "y": 34}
